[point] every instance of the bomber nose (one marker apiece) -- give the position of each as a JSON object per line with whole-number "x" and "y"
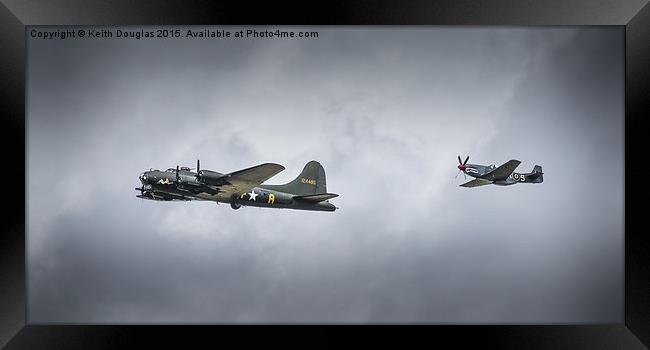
{"x": 143, "y": 178}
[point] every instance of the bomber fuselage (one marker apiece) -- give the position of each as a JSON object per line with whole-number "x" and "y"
{"x": 164, "y": 186}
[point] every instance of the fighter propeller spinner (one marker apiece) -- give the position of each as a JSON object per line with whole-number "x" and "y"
{"x": 240, "y": 188}
{"x": 461, "y": 166}
{"x": 503, "y": 175}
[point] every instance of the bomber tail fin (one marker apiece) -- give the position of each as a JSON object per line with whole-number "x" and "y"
{"x": 311, "y": 181}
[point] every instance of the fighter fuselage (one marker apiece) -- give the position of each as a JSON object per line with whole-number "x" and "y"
{"x": 481, "y": 172}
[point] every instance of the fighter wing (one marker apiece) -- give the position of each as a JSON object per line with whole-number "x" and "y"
{"x": 502, "y": 172}
{"x": 476, "y": 182}
{"x": 241, "y": 181}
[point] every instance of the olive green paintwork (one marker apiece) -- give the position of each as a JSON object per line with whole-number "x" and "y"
{"x": 308, "y": 191}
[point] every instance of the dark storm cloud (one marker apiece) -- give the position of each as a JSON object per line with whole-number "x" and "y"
{"x": 386, "y": 111}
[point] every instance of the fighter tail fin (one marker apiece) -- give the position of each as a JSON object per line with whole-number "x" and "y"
{"x": 537, "y": 175}
{"x": 310, "y": 181}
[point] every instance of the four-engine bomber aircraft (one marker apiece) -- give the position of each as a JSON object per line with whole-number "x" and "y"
{"x": 240, "y": 188}
{"x": 503, "y": 175}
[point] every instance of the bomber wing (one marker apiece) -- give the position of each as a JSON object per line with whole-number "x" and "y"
{"x": 502, "y": 172}
{"x": 162, "y": 196}
{"x": 476, "y": 182}
{"x": 199, "y": 187}
{"x": 243, "y": 180}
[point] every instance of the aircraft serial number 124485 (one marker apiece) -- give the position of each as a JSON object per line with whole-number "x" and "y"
{"x": 240, "y": 188}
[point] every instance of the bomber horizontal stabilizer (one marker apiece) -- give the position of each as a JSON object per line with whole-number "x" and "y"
{"x": 317, "y": 197}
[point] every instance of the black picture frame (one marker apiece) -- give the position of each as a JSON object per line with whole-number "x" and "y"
{"x": 633, "y": 15}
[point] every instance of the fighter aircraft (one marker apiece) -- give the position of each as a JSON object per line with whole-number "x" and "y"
{"x": 503, "y": 175}
{"x": 240, "y": 188}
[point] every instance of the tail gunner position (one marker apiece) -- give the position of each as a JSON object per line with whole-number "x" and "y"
{"x": 503, "y": 175}
{"x": 240, "y": 188}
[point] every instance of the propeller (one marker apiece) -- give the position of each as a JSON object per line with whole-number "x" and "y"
{"x": 461, "y": 166}
{"x": 198, "y": 170}
{"x": 178, "y": 177}
{"x": 141, "y": 188}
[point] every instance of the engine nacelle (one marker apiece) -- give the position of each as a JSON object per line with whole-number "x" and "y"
{"x": 210, "y": 177}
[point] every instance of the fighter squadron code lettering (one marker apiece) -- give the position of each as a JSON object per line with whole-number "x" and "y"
{"x": 107, "y": 33}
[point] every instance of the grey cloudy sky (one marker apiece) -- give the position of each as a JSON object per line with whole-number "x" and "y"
{"x": 386, "y": 110}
